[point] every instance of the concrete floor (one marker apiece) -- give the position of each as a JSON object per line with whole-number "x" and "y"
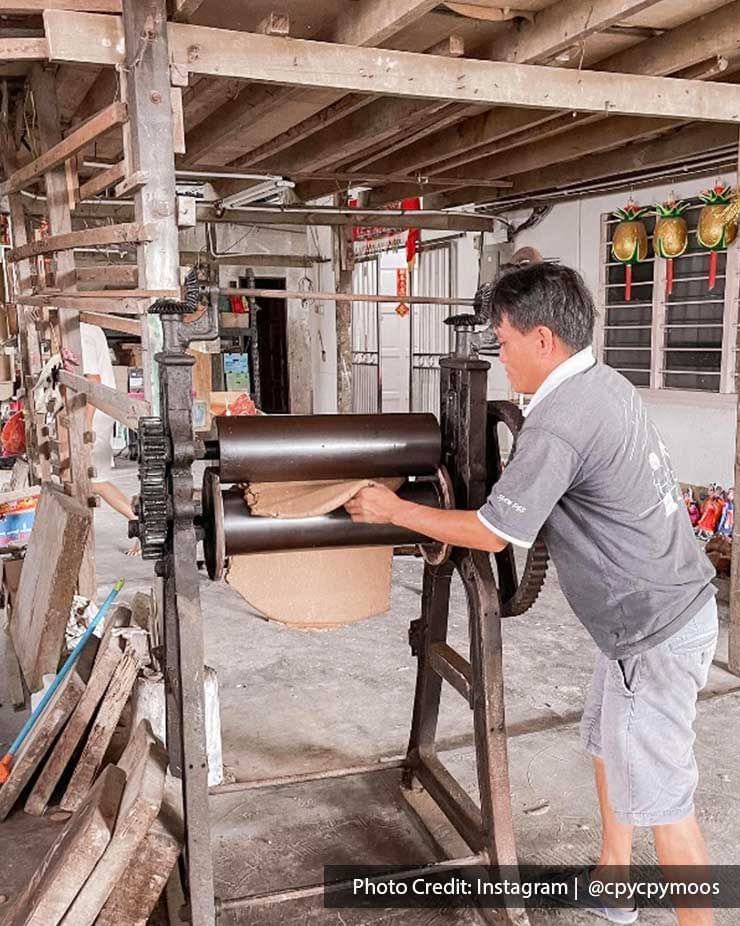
{"x": 297, "y": 702}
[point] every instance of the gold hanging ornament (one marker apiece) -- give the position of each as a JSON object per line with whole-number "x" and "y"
{"x": 714, "y": 232}
{"x": 629, "y": 241}
{"x": 671, "y": 235}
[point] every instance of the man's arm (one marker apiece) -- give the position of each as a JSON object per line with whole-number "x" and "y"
{"x": 378, "y": 505}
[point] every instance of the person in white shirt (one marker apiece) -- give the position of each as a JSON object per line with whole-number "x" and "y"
{"x": 98, "y": 368}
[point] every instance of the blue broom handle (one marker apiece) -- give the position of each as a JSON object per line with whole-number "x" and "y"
{"x": 64, "y": 671}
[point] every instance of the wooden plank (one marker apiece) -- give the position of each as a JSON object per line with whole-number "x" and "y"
{"x": 108, "y": 657}
{"x": 119, "y": 406}
{"x": 103, "y": 180}
{"x": 372, "y": 22}
{"x": 72, "y": 857}
{"x": 324, "y": 65}
{"x": 74, "y": 6}
{"x": 126, "y": 233}
{"x": 144, "y": 762}
{"x": 115, "y": 275}
{"x": 136, "y": 892}
{"x": 39, "y": 740}
{"x": 714, "y": 33}
{"x": 23, "y": 49}
{"x": 114, "y": 115}
{"x": 112, "y": 323}
{"x": 12, "y": 691}
{"x": 119, "y": 305}
{"x": 102, "y": 730}
{"x": 48, "y": 583}
{"x": 560, "y": 26}
{"x": 184, "y": 10}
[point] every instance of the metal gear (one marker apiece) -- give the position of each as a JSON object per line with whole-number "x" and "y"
{"x": 152, "y": 510}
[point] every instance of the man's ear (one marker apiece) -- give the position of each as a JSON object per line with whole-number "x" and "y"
{"x": 546, "y": 340}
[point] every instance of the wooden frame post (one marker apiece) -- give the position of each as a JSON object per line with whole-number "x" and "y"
{"x": 151, "y": 157}
{"x": 344, "y": 263}
{"x": 60, "y": 222}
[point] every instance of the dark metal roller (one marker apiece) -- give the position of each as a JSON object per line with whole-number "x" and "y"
{"x": 230, "y": 530}
{"x": 290, "y": 448}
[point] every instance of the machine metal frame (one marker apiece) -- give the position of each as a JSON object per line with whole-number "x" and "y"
{"x": 470, "y": 454}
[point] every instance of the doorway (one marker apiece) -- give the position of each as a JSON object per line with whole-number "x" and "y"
{"x": 272, "y": 347}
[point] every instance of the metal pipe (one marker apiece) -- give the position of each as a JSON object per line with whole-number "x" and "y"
{"x": 289, "y": 448}
{"x": 307, "y": 296}
{"x": 244, "y": 533}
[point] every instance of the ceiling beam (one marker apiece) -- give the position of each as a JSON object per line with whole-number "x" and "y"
{"x": 326, "y": 65}
{"x": 675, "y": 148}
{"x": 472, "y": 138}
{"x": 715, "y": 33}
{"x": 560, "y": 26}
{"x": 367, "y": 22}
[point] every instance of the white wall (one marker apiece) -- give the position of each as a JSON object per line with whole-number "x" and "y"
{"x": 698, "y": 428}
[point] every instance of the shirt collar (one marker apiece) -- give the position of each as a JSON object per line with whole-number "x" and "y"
{"x": 576, "y": 363}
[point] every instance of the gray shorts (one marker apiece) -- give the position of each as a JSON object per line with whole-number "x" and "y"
{"x": 639, "y": 717}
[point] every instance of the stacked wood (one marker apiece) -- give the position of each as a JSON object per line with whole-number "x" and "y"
{"x": 112, "y": 860}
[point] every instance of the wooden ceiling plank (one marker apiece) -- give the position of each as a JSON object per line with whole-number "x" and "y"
{"x": 560, "y": 26}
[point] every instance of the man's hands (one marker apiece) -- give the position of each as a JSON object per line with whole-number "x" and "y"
{"x": 374, "y": 504}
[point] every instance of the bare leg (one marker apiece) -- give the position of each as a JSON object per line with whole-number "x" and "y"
{"x": 616, "y": 837}
{"x": 683, "y": 844}
{"x": 113, "y": 496}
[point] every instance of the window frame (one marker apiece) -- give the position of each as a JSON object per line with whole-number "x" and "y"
{"x": 727, "y": 384}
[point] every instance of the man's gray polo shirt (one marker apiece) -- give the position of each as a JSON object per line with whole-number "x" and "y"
{"x": 591, "y": 469}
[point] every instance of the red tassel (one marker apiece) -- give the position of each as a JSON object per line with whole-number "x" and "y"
{"x": 669, "y": 277}
{"x": 712, "y": 269}
{"x": 628, "y": 283}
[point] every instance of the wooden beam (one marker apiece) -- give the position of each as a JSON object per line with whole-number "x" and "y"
{"x": 373, "y": 22}
{"x": 119, "y": 406}
{"x": 317, "y": 123}
{"x": 676, "y": 148}
{"x": 599, "y": 136}
{"x": 109, "y": 275}
{"x": 715, "y": 33}
{"x": 103, "y": 180}
{"x": 451, "y": 47}
{"x": 185, "y": 10}
{"x": 325, "y": 65}
{"x": 110, "y": 304}
{"x": 560, "y": 26}
{"x": 342, "y": 296}
{"x": 467, "y": 142}
{"x": 112, "y": 322}
{"x": 21, "y": 7}
{"x": 114, "y": 115}
{"x": 131, "y": 232}
{"x": 275, "y": 24}
{"x": 257, "y": 111}
{"x": 23, "y": 49}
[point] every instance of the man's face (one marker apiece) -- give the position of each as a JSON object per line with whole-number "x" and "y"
{"x": 524, "y": 356}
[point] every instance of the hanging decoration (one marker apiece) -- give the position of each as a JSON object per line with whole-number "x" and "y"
{"x": 671, "y": 235}
{"x": 630, "y": 242}
{"x": 402, "y": 290}
{"x": 713, "y": 232}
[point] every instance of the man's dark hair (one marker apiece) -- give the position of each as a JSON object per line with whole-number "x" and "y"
{"x": 546, "y": 294}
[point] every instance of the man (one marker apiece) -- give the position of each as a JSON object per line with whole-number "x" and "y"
{"x": 97, "y": 367}
{"x": 592, "y": 472}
